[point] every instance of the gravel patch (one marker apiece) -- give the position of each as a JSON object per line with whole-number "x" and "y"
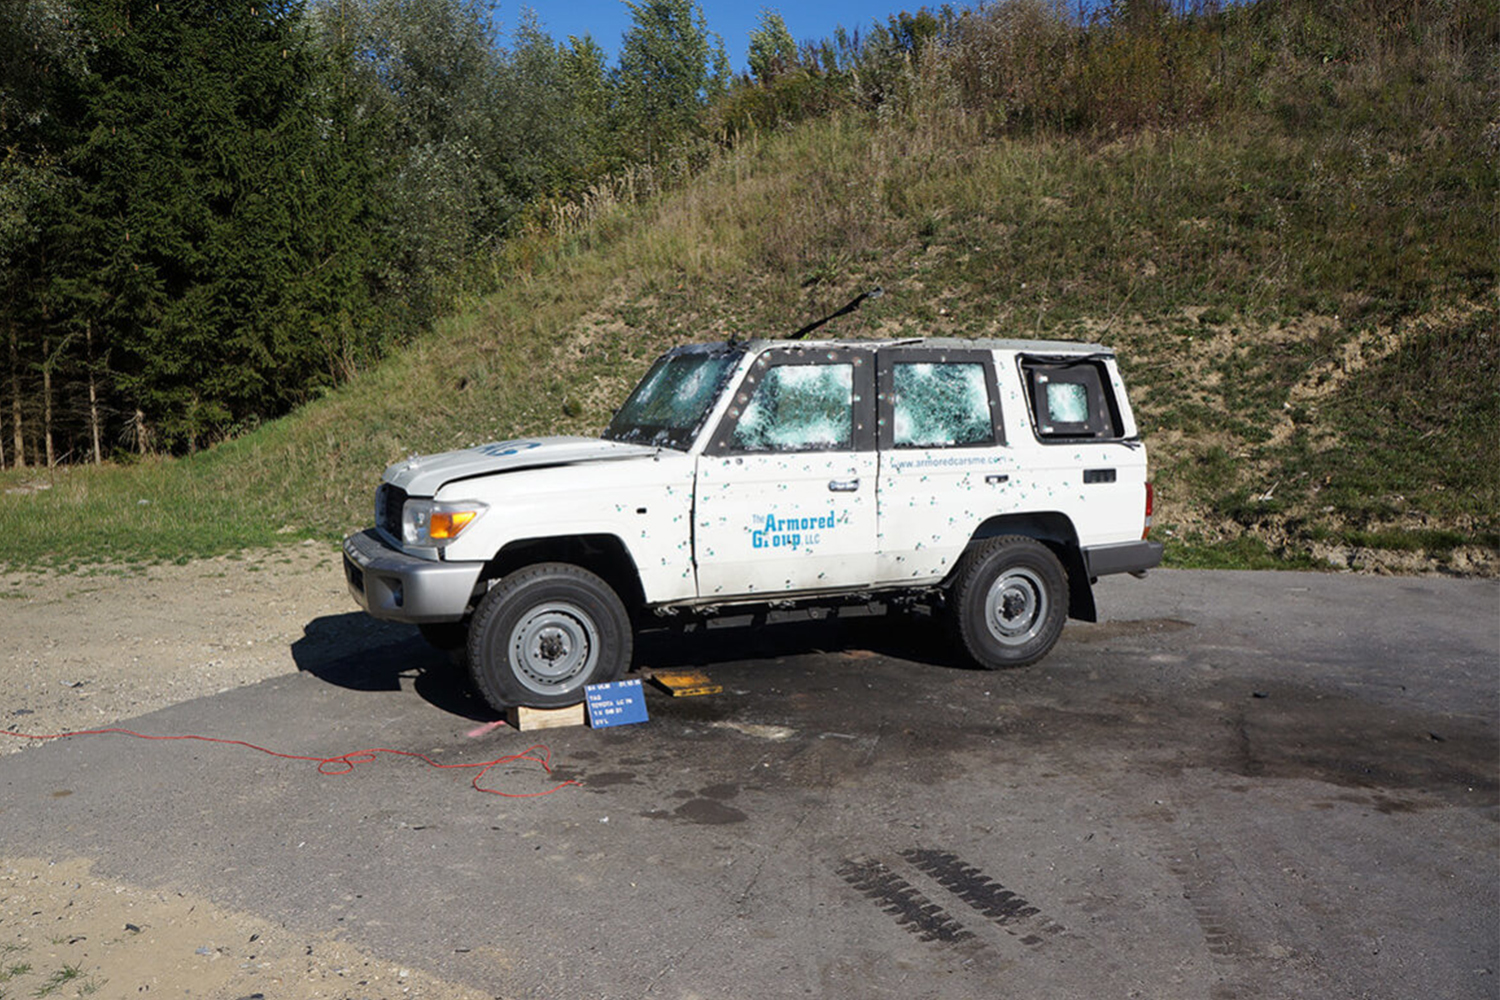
{"x": 88, "y": 650}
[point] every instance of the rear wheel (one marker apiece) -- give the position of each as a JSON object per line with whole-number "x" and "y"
{"x": 544, "y": 633}
{"x": 1010, "y": 601}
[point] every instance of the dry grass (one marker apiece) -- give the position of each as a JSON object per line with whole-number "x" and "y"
{"x": 1301, "y": 279}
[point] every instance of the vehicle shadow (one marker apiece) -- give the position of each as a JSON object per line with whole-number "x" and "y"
{"x": 359, "y": 653}
{"x": 914, "y": 637}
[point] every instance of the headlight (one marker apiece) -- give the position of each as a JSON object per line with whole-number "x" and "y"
{"x": 432, "y": 524}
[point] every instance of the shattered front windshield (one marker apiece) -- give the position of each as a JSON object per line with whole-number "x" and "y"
{"x": 668, "y": 407}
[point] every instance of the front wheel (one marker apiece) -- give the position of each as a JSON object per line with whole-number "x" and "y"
{"x": 1010, "y": 601}
{"x": 544, "y": 633}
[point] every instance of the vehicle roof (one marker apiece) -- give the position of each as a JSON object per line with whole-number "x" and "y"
{"x": 932, "y": 343}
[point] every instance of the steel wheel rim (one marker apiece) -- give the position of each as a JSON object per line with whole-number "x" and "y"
{"x": 1015, "y": 606}
{"x": 554, "y": 648}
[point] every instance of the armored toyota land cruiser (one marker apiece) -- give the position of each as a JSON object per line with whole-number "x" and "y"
{"x": 992, "y": 480}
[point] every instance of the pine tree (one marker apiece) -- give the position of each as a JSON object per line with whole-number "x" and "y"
{"x": 41, "y": 45}
{"x": 213, "y": 222}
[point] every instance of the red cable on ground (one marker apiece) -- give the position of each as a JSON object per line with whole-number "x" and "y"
{"x": 345, "y": 763}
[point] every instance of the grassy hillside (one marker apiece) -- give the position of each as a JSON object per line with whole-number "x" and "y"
{"x": 1303, "y": 293}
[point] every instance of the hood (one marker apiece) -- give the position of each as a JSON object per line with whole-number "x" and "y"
{"x": 424, "y": 475}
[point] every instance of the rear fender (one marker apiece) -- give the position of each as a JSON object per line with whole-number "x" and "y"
{"x": 1055, "y": 531}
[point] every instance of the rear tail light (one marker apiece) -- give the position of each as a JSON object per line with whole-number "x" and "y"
{"x": 1150, "y": 509}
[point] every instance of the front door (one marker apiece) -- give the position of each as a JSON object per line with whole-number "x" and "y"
{"x": 785, "y": 496}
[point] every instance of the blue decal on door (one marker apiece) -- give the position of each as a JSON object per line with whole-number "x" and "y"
{"x": 789, "y": 531}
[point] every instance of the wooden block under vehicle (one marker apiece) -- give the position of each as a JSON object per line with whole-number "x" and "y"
{"x": 528, "y": 719}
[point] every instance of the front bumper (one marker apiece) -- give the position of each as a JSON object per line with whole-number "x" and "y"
{"x": 1124, "y": 557}
{"x": 394, "y": 586}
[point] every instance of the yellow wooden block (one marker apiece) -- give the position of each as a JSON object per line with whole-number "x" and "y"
{"x": 685, "y": 683}
{"x": 528, "y": 719}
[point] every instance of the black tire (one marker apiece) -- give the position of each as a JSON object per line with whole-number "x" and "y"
{"x": 1009, "y": 601}
{"x": 544, "y": 633}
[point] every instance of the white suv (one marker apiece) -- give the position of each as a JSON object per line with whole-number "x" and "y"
{"x": 992, "y": 480}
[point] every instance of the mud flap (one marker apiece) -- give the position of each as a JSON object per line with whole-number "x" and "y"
{"x": 1080, "y": 587}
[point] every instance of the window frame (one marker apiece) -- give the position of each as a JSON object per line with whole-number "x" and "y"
{"x": 862, "y": 431}
{"x": 892, "y": 357}
{"x": 1106, "y": 423}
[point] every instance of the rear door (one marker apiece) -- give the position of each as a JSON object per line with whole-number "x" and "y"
{"x": 944, "y": 467}
{"x": 1087, "y": 459}
{"x": 785, "y": 492}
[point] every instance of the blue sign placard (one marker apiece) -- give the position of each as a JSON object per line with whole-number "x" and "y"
{"x": 618, "y": 703}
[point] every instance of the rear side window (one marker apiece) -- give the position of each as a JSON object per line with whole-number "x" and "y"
{"x": 1071, "y": 399}
{"x": 940, "y": 405}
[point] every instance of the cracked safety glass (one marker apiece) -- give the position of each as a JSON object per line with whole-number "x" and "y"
{"x": 670, "y": 404}
{"x": 1067, "y": 402}
{"x": 940, "y": 405}
{"x": 799, "y": 408}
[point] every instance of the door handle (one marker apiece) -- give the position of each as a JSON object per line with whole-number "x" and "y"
{"x": 843, "y": 486}
{"x": 996, "y": 480}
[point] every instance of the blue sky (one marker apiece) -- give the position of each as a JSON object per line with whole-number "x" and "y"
{"x": 607, "y": 20}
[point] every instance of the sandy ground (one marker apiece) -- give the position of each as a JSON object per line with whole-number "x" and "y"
{"x": 84, "y": 651}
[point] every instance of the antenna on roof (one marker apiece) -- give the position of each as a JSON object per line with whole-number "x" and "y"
{"x": 859, "y": 300}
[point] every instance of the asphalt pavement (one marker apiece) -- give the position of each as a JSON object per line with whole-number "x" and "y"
{"x": 1239, "y": 785}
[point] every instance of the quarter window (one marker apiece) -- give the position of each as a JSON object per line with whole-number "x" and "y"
{"x": 1070, "y": 399}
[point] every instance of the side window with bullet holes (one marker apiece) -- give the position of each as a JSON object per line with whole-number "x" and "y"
{"x": 799, "y": 401}
{"x": 799, "y": 408}
{"x": 940, "y": 405}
